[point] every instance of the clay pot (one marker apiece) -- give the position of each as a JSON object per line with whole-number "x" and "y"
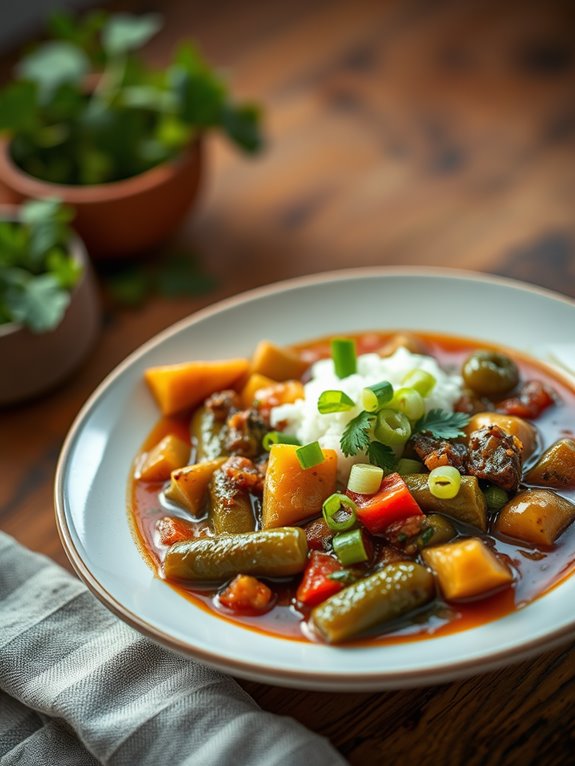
{"x": 121, "y": 218}
{"x": 35, "y": 362}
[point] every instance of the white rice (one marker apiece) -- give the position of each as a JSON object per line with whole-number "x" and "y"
{"x": 303, "y": 420}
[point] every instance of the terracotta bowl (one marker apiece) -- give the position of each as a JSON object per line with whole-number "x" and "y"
{"x": 121, "y": 218}
{"x": 35, "y": 362}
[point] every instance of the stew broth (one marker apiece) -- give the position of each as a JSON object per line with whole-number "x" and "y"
{"x": 538, "y": 570}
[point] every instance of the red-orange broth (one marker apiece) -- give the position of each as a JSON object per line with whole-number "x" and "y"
{"x": 538, "y": 570}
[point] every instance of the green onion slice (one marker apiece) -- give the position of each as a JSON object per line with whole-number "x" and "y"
{"x": 334, "y": 401}
{"x": 349, "y": 547}
{"x": 344, "y": 357}
{"x": 310, "y": 455}
{"x": 444, "y": 482}
{"x": 339, "y": 512}
{"x": 365, "y": 479}
{"x": 423, "y": 382}
{"x": 392, "y": 428}
{"x": 373, "y": 398}
{"x": 277, "y": 437}
{"x": 410, "y": 402}
{"x": 406, "y": 465}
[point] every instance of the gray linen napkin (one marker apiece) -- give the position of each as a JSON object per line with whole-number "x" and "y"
{"x": 78, "y": 686}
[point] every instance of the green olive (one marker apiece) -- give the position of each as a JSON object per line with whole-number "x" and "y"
{"x": 490, "y": 373}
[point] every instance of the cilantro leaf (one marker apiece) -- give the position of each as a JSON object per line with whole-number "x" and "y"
{"x": 381, "y": 455}
{"x": 355, "y": 437}
{"x": 442, "y": 424}
{"x": 40, "y": 303}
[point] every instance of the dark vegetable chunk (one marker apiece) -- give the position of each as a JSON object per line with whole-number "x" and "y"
{"x": 490, "y": 373}
{"x": 495, "y": 457}
{"x": 536, "y": 516}
{"x": 390, "y": 593}
{"x": 268, "y": 553}
{"x": 468, "y": 505}
{"x": 230, "y": 504}
{"x": 556, "y": 466}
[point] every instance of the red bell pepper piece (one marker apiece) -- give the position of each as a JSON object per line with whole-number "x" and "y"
{"x": 392, "y": 502}
{"x": 173, "y": 530}
{"x": 316, "y": 585}
{"x": 533, "y": 398}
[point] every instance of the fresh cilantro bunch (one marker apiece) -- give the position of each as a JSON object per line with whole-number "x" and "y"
{"x": 358, "y": 438}
{"x": 37, "y": 271}
{"x": 86, "y": 109}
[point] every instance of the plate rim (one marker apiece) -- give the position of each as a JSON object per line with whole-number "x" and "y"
{"x": 320, "y": 680}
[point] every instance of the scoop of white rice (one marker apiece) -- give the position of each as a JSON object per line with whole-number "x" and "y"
{"x": 303, "y": 420}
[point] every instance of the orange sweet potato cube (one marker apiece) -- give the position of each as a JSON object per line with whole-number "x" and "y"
{"x": 189, "y": 484}
{"x": 276, "y": 362}
{"x": 170, "y": 453}
{"x": 467, "y": 568}
{"x": 293, "y": 493}
{"x": 179, "y": 387}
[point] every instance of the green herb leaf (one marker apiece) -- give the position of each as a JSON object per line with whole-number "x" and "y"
{"x": 442, "y": 424}
{"x": 52, "y": 65}
{"x": 381, "y": 455}
{"x": 242, "y": 124}
{"x": 355, "y": 437}
{"x": 40, "y": 304}
{"x": 124, "y": 32}
{"x": 65, "y": 269}
{"x": 18, "y": 107}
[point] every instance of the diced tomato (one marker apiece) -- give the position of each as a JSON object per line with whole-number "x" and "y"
{"x": 173, "y": 530}
{"x": 392, "y": 502}
{"x": 316, "y": 584}
{"x": 246, "y": 594}
{"x": 318, "y": 535}
{"x": 533, "y": 398}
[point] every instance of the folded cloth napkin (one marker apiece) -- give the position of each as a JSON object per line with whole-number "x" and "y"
{"x": 78, "y": 686}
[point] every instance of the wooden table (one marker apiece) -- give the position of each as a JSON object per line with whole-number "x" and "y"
{"x": 399, "y": 133}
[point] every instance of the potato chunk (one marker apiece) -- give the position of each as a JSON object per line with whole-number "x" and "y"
{"x": 556, "y": 466}
{"x": 168, "y": 454}
{"x": 523, "y": 430}
{"x": 292, "y": 493}
{"x": 536, "y": 516}
{"x": 467, "y": 568}
{"x": 179, "y": 387}
{"x": 277, "y": 363}
{"x": 189, "y": 485}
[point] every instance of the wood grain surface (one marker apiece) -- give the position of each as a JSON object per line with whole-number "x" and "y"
{"x": 415, "y": 132}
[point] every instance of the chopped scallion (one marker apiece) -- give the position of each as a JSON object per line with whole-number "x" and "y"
{"x": 365, "y": 479}
{"x": 344, "y": 357}
{"x": 392, "y": 428}
{"x": 444, "y": 482}
{"x": 339, "y": 512}
{"x": 310, "y": 455}
{"x": 410, "y": 402}
{"x": 334, "y": 401}
{"x": 277, "y": 437}
{"x": 423, "y": 382}
{"x": 374, "y": 397}
{"x": 349, "y": 547}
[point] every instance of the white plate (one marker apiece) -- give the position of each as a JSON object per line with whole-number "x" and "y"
{"x": 93, "y": 472}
